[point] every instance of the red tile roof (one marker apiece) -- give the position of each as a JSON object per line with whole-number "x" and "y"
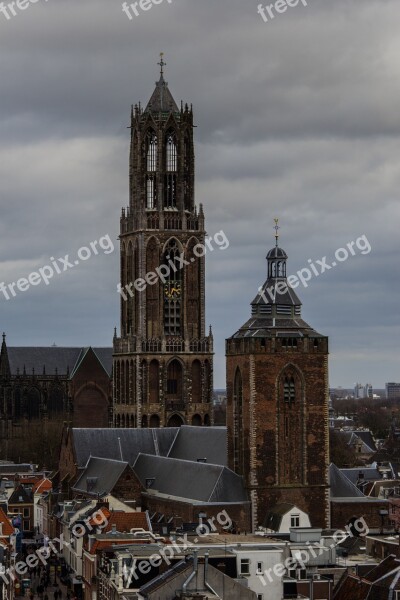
{"x": 8, "y": 529}
{"x": 44, "y": 485}
{"x": 124, "y": 522}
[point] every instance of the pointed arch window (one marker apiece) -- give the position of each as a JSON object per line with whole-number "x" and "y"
{"x": 152, "y": 150}
{"x": 171, "y": 153}
{"x": 289, "y": 390}
{"x": 173, "y": 291}
{"x": 151, "y": 191}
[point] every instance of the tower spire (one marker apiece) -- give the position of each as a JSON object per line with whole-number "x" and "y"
{"x": 277, "y": 228}
{"x": 162, "y": 63}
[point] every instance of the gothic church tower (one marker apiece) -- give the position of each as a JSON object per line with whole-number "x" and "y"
{"x": 162, "y": 363}
{"x": 277, "y": 414}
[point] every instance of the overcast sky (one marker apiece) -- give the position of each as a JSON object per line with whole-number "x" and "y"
{"x": 297, "y": 118}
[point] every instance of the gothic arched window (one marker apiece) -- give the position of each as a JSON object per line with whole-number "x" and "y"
{"x": 171, "y": 153}
{"x": 173, "y": 291}
{"x": 152, "y": 149}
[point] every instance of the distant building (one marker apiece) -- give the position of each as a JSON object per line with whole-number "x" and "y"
{"x": 392, "y": 390}
{"x": 363, "y": 391}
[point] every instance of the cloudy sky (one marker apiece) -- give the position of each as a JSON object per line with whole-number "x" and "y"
{"x": 297, "y": 118}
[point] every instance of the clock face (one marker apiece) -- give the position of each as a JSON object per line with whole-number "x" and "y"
{"x": 172, "y": 290}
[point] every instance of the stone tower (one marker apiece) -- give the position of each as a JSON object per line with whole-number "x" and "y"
{"x": 277, "y": 413}
{"x": 163, "y": 361}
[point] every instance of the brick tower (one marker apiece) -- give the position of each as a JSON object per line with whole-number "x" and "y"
{"x": 163, "y": 361}
{"x": 277, "y": 413}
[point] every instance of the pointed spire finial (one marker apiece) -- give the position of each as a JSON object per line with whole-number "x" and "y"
{"x": 277, "y": 228}
{"x": 162, "y": 63}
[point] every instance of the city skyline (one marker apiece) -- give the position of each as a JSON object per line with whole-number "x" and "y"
{"x": 277, "y": 138}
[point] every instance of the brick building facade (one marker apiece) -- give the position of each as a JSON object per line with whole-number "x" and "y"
{"x": 277, "y": 411}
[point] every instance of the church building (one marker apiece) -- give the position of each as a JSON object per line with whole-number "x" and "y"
{"x": 277, "y": 410}
{"x": 163, "y": 359}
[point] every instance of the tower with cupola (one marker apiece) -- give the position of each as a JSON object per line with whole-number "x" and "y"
{"x": 277, "y": 411}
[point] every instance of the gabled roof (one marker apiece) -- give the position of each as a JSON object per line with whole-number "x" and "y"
{"x": 124, "y": 521}
{"x": 193, "y": 443}
{"x": 340, "y": 485}
{"x": 20, "y": 496}
{"x": 351, "y": 587}
{"x": 387, "y": 565}
{"x": 198, "y": 482}
{"x": 120, "y": 444}
{"x": 8, "y": 529}
{"x": 186, "y": 443}
{"x": 100, "y": 476}
{"x": 53, "y": 358}
{"x": 42, "y": 486}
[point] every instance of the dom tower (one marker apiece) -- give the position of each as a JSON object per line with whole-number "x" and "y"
{"x": 162, "y": 363}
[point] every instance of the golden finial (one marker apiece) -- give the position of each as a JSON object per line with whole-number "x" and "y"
{"x": 277, "y": 228}
{"x": 162, "y": 63}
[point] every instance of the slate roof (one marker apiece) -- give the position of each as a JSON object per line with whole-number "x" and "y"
{"x": 20, "y": 496}
{"x": 186, "y": 442}
{"x": 192, "y": 443}
{"x": 340, "y": 485}
{"x": 120, "y": 444}
{"x": 199, "y": 482}
{"x": 100, "y": 476}
{"x": 370, "y": 474}
{"x": 161, "y": 580}
{"x": 8, "y": 468}
{"x": 162, "y": 99}
{"x": 53, "y": 357}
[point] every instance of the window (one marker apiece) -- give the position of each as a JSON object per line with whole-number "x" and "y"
{"x": 259, "y": 568}
{"x": 152, "y": 152}
{"x": 245, "y": 566}
{"x": 26, "y": 525}
{"x": 26, "y": 512}
{"x": 289, "y": 390}
{"x": 260, "y": 596}
{"x": 151, "y": 192}
{"x": 295, "y": 521}
{"x": 171, "y": 153}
